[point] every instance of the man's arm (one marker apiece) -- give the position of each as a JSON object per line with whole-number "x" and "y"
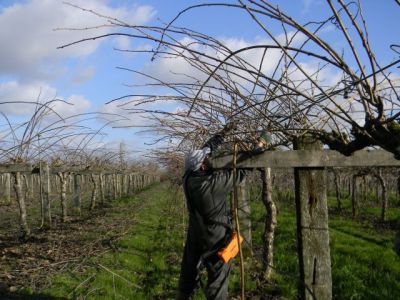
{"x": 214, "y": 142}
{"x": 217, "y": 139}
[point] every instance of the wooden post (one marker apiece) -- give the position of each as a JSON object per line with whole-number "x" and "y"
{"x": 337, "y": 181}
{"x": 26, "y": 184}
{"x": 397, "y": 243}
{"x": 45, "y": 186}
{"x": 36, "y": 185}
{"x": 7, "y": 188}
{"x": 129, "y": 189}
{"x": 135, "y": 183}
{"x": 270, "y": 223}
{"x": 384, "y": 197}
{"x": 312, "y": 228}
{"x": 55, "y": 183}
{"x": 115, "y": 186}
{"x": 71, "y": 183}
{"x": 354, "y": 201}
{"x": 101, "y": 187}
{"x": 123, "y": 185}
{"x": 127, "y": 182}
{"x": 109, "y": 181}
{"x": 244, "y": 216}
{"x": 77, "y": 197}
{"x": 63, "y": 194}
{"x": 21, "y": 203}
{"x": 119, "y": 185}
{"x": 94, "y": 191}
{"x": 116, "y": 195}
{"x": 31, "y": 191}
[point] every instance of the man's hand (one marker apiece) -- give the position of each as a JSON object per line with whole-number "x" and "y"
{"x": 229, "y": 127}
{"x": 263, "y": 141}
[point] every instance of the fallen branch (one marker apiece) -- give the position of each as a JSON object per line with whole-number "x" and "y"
{"x": 119, "y": 276}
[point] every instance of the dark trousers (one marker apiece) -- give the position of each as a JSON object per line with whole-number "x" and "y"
{"x": 217, "y": 271}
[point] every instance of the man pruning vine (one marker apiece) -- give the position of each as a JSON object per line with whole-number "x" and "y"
{"x": 210, "y": 226}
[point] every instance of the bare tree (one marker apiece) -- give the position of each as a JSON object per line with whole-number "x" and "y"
{"x": 348, "y": 99}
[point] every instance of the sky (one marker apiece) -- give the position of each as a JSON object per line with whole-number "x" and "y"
{"x": 86, "y": 74}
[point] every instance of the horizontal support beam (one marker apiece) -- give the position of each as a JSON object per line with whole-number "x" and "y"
{"x": 29, "y": 168}
{"x": 308, "y": 159}
{"x": 76, "y": 170}
{"x": 13, "y": 168}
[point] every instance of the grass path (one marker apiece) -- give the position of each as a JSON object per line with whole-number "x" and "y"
{"x": 145, "y": 263}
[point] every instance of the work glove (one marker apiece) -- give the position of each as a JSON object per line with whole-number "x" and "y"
{"x": 229, "y": 127}
{"x": 263, "y": 141}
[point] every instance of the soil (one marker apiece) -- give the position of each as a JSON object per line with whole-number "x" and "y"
{"x": 27, "y": 264}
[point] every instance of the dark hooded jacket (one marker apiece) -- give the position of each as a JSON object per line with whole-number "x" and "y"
{"x": 209, "y": 215}
{"x": 209, "y": 226}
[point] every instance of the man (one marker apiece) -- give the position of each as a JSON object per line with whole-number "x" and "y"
{"x": 209, "y": 229}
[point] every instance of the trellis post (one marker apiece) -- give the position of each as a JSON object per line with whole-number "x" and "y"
{"x": 115, "y": 186}
{"x": 101, "y": 188}
{"x": 110, "y": 185}
{"x": 270, "y": 223}
{"x": 312, "y": 228}
{"x": 244, "y": 216}
{"x": 45, "y": 186}
{"x": 129, "y": 192}
{"x": 7, "y": 188}
{"x": 77, "y": 198}
{"x": 94, "y": 191}
{"x": 63, "y": 194}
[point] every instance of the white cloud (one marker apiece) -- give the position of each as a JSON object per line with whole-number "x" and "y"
{"x": 306, "y": 5}
{"x": 83, "y": 75}
{"x": 122, "y": 42}
{"x": 309, "y": 6}
{"x": 30, "y": 42}
{"x": 123, "y": 113}
{"x": 118, "y": 117}
{"x": 177, "y": 69}
{"x": 140, "y": 14}
{"x": 76, "y": 104}
{"x": 12, "y": 91}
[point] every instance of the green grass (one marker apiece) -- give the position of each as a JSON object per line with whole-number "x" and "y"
{"x": 364, "y": 263}
{"x": 147, "y": 263}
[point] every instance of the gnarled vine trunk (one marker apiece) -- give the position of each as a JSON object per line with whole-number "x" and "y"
{"x": 270, "y": 223}
{"x": 21, "y": 203}
{"x": 244, "y": 216}
{"x": 354, "y": 203}
{"x": 94, "y": 191}
{"x": 45, "y": 194}
{"x": 337, "y": 182}
{"x": 7, "y": 192}
{"x": 63, "y": 194}
{"x": 101, "y": 183}
{"x": 384, "y": 194}
{"x": 77, "y": 198}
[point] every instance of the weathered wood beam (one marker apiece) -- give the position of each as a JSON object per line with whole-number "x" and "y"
{"x": 77, "y": 170}
{"x": 77, "y": 197}
{"x": 308, "y": 159}
{"x": 312, "y": 228}
{"x": 45, "y": 194}
{"x": 13, "y": 168}
{"x": 30, "y": 168}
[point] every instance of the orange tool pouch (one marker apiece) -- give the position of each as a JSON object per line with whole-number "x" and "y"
{"x": 231, "y": 249}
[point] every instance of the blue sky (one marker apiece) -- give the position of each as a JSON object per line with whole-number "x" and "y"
{"x": 86, "y": 74}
